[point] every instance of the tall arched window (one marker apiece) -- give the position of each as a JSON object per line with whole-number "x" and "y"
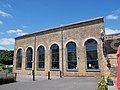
{"x": 29, "y": 55}
{"x": 91, "y": 54}
{"x": 71, "y": 55}
{"x": 41, "y": 57}
{"x": 54, "y": 56}
{"x": 19, "y": 59}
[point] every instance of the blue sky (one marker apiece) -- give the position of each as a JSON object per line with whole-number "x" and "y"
{"x": 20, "y": 17}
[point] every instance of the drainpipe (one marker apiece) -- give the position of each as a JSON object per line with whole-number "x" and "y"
{"x": 33, "y": 71}
{"x": 62, "y": 52}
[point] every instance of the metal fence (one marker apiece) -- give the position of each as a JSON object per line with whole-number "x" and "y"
{"x": 7, "y": 74}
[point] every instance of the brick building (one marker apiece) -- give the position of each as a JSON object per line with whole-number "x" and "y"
{"x": 112, "y": 42}
{"x": 76, "y": 49}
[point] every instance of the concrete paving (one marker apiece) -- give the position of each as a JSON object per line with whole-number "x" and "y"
{"x": 66, "y": 83}
{"x": 112, "y": 88}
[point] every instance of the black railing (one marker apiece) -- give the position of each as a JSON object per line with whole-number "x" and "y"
{"x": 7, "y": 74}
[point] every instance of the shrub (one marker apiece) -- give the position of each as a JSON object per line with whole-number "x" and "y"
{"x": 102, "y": 84}
{"x": 6, "y": 80}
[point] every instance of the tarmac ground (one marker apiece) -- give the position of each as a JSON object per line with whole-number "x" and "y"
{"x": 25, "y": 82}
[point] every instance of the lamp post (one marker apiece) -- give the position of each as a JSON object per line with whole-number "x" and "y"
{"x": 103, "y": 37}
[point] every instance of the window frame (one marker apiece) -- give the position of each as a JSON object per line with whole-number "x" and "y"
{"x": 31, "y": 58}
{"x": 93, "y": 68}
{"x": 75, "y": 56}
{"x": 40, "y": 61}
{"x": 51, "y": 58}
{"x": 19, "y": 61}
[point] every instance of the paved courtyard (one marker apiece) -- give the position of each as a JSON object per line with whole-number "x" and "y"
{"x": 66, "y": 83}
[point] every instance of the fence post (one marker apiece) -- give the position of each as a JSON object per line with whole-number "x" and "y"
{"x": 48, "y": 75}
{"x": 15, "y": 77}
{"x": 6, "y": 74}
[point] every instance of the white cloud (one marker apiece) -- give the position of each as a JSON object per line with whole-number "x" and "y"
{"x": 17, "y": 32}
{"x": 2, "y": 48}
{"x": 116, "y": 12}
{"x": 2, "y": 33}
{"x": 24, "y": 26}
{"x": 111, "y": 31}
{"x": 7, "y": 41}
{"x": 9, "y": 6}
{"x": 4, "y": 14}
{"x": 1, "y": 22}
{"x": 112, "y": 17}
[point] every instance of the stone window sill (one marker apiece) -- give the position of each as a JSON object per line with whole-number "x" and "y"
{"x": 40, "y": 69}
{"x": 72, "y": 70}
{"x": 93, "y": 70}
{"x": 18, "y": 68}
{"x": 28, "y": 68}
{"x": 54, "y": 70}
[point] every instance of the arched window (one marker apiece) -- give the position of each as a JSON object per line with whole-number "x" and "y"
{"x": 91, "y": 54}
{"x": 29, "y": 55}
{"x": 54, "y": 56}
{"x": 19, "y": 59}
{"x": 41, "y": 57}
{"x": 71, "y": 55}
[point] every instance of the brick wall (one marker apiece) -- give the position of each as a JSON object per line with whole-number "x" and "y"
{"x": 79, "y": 33}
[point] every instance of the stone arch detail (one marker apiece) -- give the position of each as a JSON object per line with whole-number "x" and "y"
{"x": 54, "y": 43}
{"x": 28, "y": 47}
{"x": 83, "y": 44}
{"x": 71, "y": 41}
{"x": 18, "y": 49}
{"x": 40, "y": 45}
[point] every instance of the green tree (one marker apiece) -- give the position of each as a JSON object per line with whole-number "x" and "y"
{"x": 6, "y": 57}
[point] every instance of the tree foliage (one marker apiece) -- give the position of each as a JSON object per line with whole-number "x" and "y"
{"x": 6, "y": 57}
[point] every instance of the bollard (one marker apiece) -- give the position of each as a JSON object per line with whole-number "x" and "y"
{"x": 60, "y": 74}
{"x": 48, "y": 75}
{"x": 33, "y": 73}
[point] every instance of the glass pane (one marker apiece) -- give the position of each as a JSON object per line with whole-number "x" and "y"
{"x": 29, "y": 58}
{"x": 41, "y": 57}
{"x": 91, "y": 53}
{"x": 40, "y": 64}
{"x": 55, "y": 65}
{"x": 92, "y": 65}
{"x": 55, "y": 56}
{"x": 91, "y": 45}
{"x": 71, "y": 55}
{"x": 19, "y": 58}
{"x": 29, "y": 64}
{"x": 72, "y": 65}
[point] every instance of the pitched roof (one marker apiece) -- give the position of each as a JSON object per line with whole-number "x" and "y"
{"x": 65, "y": 27}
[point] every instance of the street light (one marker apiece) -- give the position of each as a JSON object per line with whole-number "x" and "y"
{"x": 102, "y": 35}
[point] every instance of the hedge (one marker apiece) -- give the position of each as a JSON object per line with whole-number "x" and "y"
{"x": 7, "y": 80}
